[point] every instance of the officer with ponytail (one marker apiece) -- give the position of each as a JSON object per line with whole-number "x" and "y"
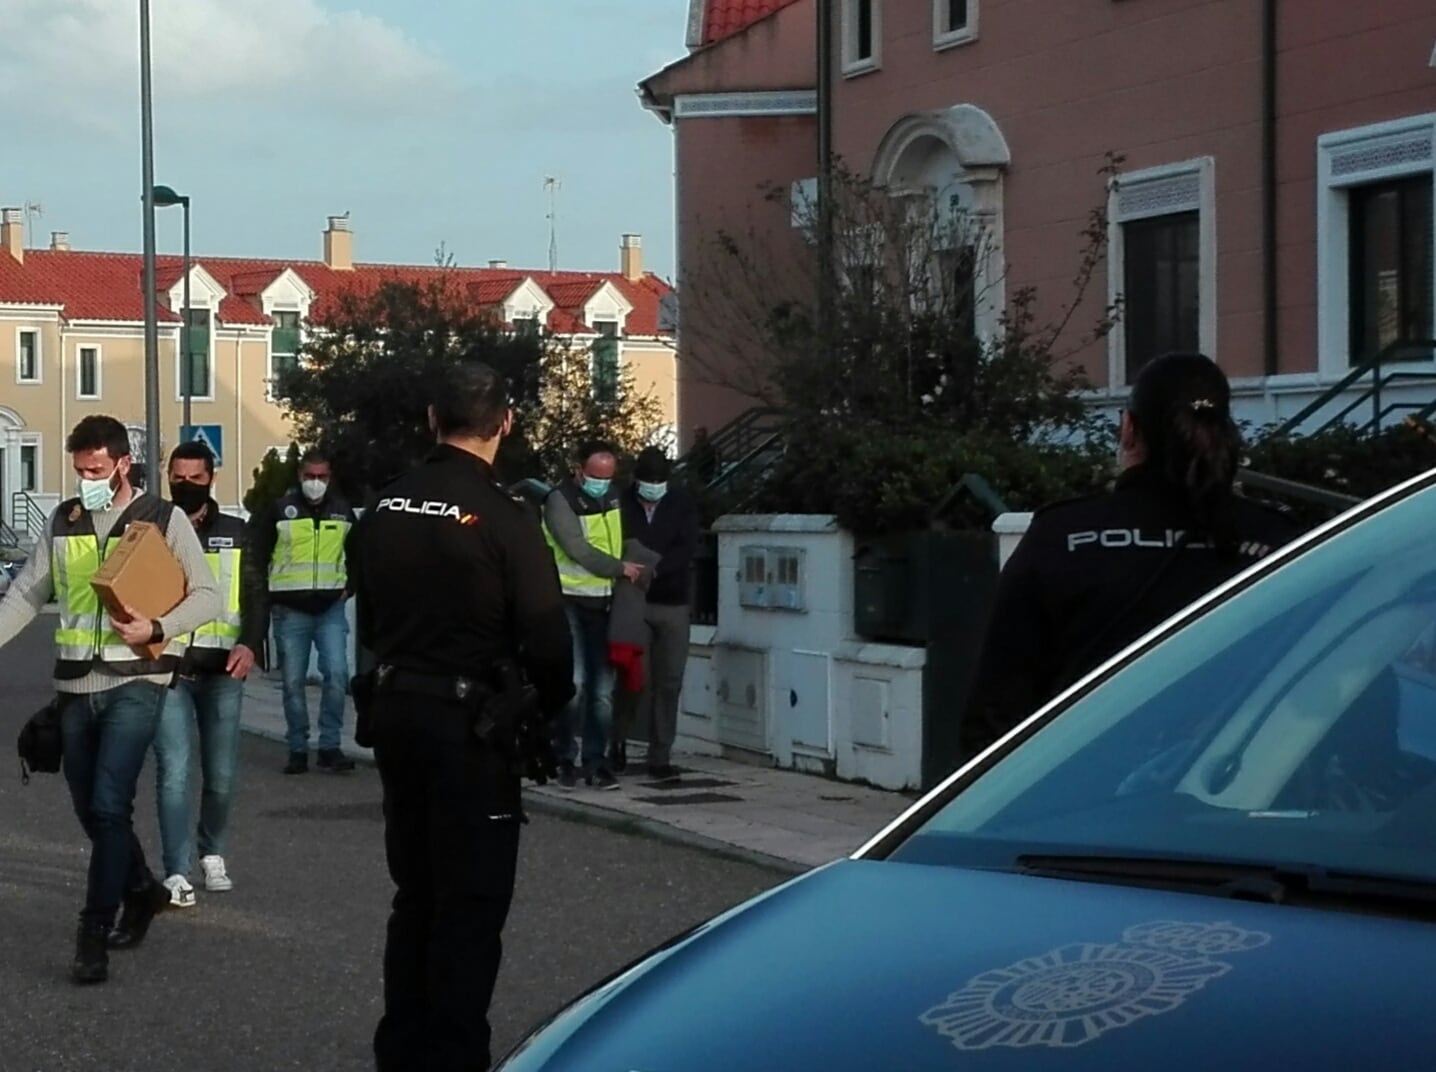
{"x": 1092, "y": 575}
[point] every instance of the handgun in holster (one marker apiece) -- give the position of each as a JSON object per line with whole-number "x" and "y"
{"x": 513, "y": 722}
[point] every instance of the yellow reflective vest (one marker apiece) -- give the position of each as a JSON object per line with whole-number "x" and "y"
{"x": 602, "y": 527}
{"x": 308, "y": 547}
{"x": 223, "y": 541}
{"x": 84, "y": 636}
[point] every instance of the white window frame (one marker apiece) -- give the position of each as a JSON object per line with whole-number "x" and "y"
{"x": 1165, "y": 190}
{"x": 269, "y": 347}
{"x": 179, "y": 355}
{"x": 39, "y": 377}
{"x": 1345, "y": 159}
{"x": 852, "y": 64}
{"x": 80, "y": 349}
{"x": 943, "y": 38}
{"x": 30, "y": 439}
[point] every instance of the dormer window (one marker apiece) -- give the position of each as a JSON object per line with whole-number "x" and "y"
{"x": 195, "y": 368}
{"x": 606, "y": 372}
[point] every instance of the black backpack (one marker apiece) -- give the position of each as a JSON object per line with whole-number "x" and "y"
{"x": 40, "y": 745}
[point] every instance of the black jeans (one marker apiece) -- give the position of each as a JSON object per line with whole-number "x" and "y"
{"x": 451, "y": 832}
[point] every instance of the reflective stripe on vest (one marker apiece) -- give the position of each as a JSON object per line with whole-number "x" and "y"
{"x": 84, "y": 632}
{"x": 605, "y": 533}
{"x": 308, "y": 556}
{"x": 223, "y": 632}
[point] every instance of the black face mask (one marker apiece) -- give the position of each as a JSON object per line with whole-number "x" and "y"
{"x": 190, "y": 498}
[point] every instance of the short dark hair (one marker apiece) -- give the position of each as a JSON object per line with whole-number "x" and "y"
{"x": 589, "y": 447}
{"x": 194, "y": 451}
{"x": 99, "y": 432}
{"x": 652, "y": 466}
{"x": 471, "y": 401}
{"x": 314, "y": 456}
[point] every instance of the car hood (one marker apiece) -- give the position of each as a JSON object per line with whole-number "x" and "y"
{"x": 867, "y": 965}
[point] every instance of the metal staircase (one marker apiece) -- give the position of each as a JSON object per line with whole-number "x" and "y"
{"x": 1374, "y": 393}
{"x": 739, "y": 452}
{"x": 27, "y": 520}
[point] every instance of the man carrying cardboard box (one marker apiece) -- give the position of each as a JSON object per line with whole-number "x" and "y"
{"x": 112, "y": 672}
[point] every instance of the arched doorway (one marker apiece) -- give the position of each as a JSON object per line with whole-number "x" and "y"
{"x": 11, "y": 427}
{"x": 953, "y": 160}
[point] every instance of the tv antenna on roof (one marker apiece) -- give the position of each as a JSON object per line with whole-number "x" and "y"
{"x": 552, "y": 185}
{"x": 33, "y": 211}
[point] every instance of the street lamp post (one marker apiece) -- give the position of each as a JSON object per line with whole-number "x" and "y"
{"x": 152, "y": 336}
{"x": 165, "y": 197}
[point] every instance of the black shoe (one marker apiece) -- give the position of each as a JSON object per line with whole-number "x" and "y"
{"x": 566, "y": 778}
{"x": 298, "y": 763}
{"x": 92, "y": 957}
{"x": 663, "y": 772}
{"x": 333, "y": 761}
{"x": 618, "y": 758}
{"x": 602, "y": 779}
{"x": 139, "y": 912}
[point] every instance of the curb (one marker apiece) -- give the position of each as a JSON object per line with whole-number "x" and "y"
{"x": 610, "y": 818}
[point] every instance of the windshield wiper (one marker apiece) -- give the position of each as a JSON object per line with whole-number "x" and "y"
{"x": 1268, "y": 883}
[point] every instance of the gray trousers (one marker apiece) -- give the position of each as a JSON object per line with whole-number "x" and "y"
{"x": 655, "y": 709}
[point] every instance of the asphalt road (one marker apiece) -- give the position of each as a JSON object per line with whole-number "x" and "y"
{"x": 284, "y": 972}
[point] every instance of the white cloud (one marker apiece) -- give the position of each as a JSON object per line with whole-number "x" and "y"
{"x": 78, "y": 59}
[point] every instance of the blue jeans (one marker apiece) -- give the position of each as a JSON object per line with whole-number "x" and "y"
{"x": 593, "y": 701}
{"x": 211, "y": 701}
{"x": 295, "y": 633}
{"x": 106, "y": 736}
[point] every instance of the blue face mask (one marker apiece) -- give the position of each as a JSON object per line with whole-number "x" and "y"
{"x": 652, "y": 492}
{"x": 595, "y": 488}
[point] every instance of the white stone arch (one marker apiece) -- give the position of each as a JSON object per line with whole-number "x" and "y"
{"x": 957, "y": 156}
{"x": 12, "y": 425}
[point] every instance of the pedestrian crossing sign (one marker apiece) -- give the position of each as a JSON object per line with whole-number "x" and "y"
{"x": 211, "y": 435}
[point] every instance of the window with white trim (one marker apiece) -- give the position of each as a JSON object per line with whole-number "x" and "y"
{"x": 605, "y": 361}
{"x": 1162, "y": 265}
{"x": 30, "y": 467}
{"x": 284, "y": 343}
{"x": 198, "y": 372}
{"x": 27, "y": 356}
{"x": 87, "y": 372}
{"x": 1376, "y": 226}
{"x": 954, "y": 22}
{"x": 861, "y": 35}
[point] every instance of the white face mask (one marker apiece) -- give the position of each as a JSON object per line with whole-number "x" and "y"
{"x": 314, "y": 489}
{"x": 97, "y": 494}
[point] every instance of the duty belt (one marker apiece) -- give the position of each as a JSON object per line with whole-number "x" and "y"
{"x": 454, "y": 688}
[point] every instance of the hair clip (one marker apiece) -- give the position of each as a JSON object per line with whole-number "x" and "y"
{"x": 1200, "y": 404}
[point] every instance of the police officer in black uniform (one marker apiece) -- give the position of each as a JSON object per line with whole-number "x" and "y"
{"x": 1092, "y": 575}
{"x": 453, "y": 580}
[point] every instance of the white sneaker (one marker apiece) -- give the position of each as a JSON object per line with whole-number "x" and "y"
{"x": 181, "y": 892}
{"x": 216, "y": 879}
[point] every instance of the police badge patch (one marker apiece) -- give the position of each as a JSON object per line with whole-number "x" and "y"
{"x": 1077, "y": 993}
{"x": 291, "y": 512}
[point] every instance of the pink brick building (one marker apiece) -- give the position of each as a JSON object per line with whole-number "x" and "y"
{"x": 1275, "y": 206}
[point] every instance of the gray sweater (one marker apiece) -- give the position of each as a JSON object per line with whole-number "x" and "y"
{"x": 34, "y": 588}
{"x": 626, "y": 617}
{"x": 568, "y": 531}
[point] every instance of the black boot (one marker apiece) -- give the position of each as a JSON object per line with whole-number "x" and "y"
{"x": 141, "y": 907}
{"x": 298, "y": 763}
{"x": 334, "y": 761}
{"x": 92, "y": 958}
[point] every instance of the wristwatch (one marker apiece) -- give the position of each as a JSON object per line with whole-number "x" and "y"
{"x": 157, "y": 633}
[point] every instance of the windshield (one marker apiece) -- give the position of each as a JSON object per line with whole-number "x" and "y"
{"x": 1293, "y": 724}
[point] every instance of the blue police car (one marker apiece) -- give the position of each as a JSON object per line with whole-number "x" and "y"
{"x": 1216, "y": 851}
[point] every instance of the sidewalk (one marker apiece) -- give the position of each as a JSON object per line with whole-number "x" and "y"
{"x": 793, "y": 821}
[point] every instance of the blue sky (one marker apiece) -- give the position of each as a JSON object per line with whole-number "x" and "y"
{"x": 428, "y": 121}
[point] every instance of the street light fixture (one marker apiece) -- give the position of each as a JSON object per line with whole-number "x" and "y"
{"x": 165, "y": 197}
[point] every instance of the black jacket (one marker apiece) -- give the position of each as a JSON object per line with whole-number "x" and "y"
{"x": 673, "y": 532}
{"x": 1090, "y": 577}
{"x": 218, "y": 531}
{"x": 451, "y": 574}
{"x": 264, "y": 535}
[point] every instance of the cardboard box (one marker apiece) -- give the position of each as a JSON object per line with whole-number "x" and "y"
{"x": 142, "y": 573}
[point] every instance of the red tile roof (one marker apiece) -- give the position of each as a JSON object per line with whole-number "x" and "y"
{"x": 724, "y": 18}
{"x": 109, "y": 286}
